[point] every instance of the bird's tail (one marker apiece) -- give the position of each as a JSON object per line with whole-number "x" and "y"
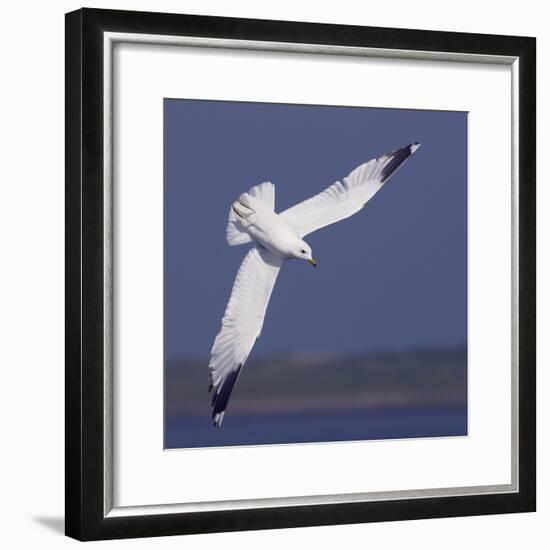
{"x": 236, "y": 224}
{"x": 235, "y": 232}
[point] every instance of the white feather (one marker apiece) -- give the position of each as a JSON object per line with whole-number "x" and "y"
{"x": 236, "y": 231}
{"x": 242, "y": 323}
{"x": 343, "y": 199}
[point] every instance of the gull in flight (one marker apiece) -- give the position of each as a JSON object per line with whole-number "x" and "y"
{"x": 276, "y": 238}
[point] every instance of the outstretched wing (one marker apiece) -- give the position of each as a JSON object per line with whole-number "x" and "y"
{"x": 341, "y": 200}
{"x": 241, "y": 324}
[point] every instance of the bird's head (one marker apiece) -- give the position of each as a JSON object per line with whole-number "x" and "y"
{"x": 303, "y": 252}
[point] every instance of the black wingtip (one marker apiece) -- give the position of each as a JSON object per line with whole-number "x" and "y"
{"x": 221, "y": 396}
{"x": 396, "y": 159}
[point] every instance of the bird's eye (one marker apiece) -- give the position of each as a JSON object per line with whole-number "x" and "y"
{"x": 303, "y": 251}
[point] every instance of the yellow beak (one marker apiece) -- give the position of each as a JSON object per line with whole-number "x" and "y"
{"x": 312, "y": 262}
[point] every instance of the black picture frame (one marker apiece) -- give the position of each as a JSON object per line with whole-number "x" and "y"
{"x": 85, "y": 437}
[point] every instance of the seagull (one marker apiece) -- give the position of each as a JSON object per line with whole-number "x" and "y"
{"x": 276, "y": 238}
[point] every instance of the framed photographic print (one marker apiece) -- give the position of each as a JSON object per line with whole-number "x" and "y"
{"x": 300, "y": 274}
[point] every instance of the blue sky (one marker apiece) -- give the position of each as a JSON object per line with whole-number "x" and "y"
{"x": 392, "y": 277}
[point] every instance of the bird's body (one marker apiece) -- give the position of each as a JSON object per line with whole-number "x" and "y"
{"x": 265, "y": 226}
{"x": 276, "y": 238}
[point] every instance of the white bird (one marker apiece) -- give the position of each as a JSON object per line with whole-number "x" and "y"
{"x": 276, "y": 238}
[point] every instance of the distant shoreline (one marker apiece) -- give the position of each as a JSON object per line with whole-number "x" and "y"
{"x": 308, "y": 383}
